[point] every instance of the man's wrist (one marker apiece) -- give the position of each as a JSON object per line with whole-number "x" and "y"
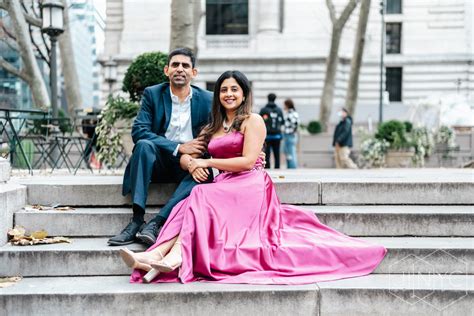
{"x": 176, "y": 151}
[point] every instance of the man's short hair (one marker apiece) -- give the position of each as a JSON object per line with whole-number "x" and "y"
{"x": 271, "y": 97}
{"x": 182, "y": 51}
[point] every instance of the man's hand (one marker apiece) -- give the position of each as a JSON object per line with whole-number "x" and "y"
{"x": 337, "y": 145}
{"x": 195, "y": 146}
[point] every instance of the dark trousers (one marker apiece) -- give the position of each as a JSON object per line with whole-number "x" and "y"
{"x": 272, "y": 145}
{"x": 150, "y": 164}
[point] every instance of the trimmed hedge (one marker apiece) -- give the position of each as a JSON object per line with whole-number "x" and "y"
{"x": 145, "y": 70}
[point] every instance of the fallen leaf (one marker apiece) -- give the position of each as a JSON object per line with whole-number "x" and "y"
{"x": 5, "y": 282}
{"x": 64, "y": 208}
{"x": 41, "y": 234}
{"x": 28, "y": 241}
{"x": 17, "y": 231}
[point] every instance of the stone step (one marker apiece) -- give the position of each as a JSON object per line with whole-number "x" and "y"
{"x": 92, "y": 256}
{"x": 393, "y": 294}
{"x": 303, "y": 186}
{"x": 114, "y": 295}
{"x": 369, "y": 295}
{"x": 359, "y": 220}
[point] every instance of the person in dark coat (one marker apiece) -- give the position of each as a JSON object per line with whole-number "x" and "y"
{"x": 342, "y": 141}
{"x": 167, "y": 126}
{"x": 273, "y": 117}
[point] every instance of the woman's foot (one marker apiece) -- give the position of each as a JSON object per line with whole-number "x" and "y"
{"x": 140, "y": 260}
{"x": 171, "y": 261}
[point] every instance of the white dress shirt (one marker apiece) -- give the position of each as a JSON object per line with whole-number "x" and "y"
{"x": 180, "y": 128}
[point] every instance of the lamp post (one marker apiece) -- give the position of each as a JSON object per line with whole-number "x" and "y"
{"x": 52, "y": 13}
{"x": 110, "y": 76}
{"x": 382, "y": 46}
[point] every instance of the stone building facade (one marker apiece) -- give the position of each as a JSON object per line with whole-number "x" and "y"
{"x": 282, "y": 46}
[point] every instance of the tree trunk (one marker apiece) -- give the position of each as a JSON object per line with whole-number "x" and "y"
{"x": 182, "y": 25}
{"x": 30, "y": 67}
{"x": 333, "y": 59}
{"x": 68, "y": 65}
{"x": 329, "y": 81}
{"x": 356, "y": 63}
{"x": 196, "y": 21}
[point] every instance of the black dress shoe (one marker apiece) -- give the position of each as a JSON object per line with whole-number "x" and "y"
{"x": 127, "y": 236}
{"x": 149, "y": 233}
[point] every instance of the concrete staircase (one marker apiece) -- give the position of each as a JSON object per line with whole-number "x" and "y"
{"x": 424, "y": 217}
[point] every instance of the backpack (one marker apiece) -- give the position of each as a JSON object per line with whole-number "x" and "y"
{"x": 273, "y": 120}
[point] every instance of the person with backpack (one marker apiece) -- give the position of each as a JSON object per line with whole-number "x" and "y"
{"x": 290, "y": 136}
{"x": 273, "y": 118}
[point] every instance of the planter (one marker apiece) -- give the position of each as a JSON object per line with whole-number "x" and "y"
{"x": 399, "y": 159}
{"x": 127, "y": 143}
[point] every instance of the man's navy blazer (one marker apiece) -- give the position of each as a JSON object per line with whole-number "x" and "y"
{"x": 154, "y": 116}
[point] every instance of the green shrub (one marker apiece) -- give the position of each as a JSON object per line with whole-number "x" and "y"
{"x": 145, "y": 70}
{"x": 408, "y": 126}
{"x": 314, "y": 127}
{"x": 393, "y": 132}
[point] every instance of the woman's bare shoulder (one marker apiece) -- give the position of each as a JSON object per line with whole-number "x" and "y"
{"x": 254, "y": 119}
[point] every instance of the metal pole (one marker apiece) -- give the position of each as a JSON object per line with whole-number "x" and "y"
{"x": 54, "y": 77}
{"x": 382, "y": 46}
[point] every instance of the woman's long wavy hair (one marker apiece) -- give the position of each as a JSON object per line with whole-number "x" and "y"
{"x": 218, "y": 114}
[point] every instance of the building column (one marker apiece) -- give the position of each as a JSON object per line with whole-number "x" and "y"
{"x": 268, "y": 16}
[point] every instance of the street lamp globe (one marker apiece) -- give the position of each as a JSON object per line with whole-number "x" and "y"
{"x": 52, "y": 11}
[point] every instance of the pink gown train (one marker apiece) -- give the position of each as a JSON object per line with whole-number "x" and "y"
{"x": 235, "y": 230}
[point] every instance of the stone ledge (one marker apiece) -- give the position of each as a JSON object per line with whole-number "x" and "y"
{"x": 12, "y": 198}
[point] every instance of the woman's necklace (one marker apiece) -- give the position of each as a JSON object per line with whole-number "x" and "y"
{"x": 226, "y": 127}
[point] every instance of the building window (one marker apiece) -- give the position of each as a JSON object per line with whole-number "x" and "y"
{"x": 393, "y": 82}
{"x": 210, "y": 85}
{"x": 394, "y": 6}
{"x": 393, "y": 32}
{"x": 227, "y": 17}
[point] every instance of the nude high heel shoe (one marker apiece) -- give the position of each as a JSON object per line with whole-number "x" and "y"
{"x": 172, "y": 261}
{"x": 131, "y": 261}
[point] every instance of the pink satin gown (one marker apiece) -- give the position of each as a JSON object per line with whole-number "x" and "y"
{"x": 235, "y": 230}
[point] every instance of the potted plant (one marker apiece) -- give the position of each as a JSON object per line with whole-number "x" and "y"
{"x": 114, "y": 127}
{"x": 401, "y": 150}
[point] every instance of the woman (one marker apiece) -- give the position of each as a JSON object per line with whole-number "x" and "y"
{"x": 235, "y": 230}
{"x": 290, "y": 136}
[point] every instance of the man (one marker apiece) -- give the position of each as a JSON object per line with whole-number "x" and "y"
{"x": 273, "y": 117}
{"x": 342, "y": 141}
{"x": 167, "y": 125}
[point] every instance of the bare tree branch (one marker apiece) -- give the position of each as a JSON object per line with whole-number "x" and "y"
{"x": 10, "y": 42}
{"x": 7, "y": 32}
{"x": 346, "y": 13}
{"x": 34, "y": 9}
{"x": 11, "y": 69}
{"x": 33, "y": 20}
{"x": 332, "y": 11}
{"x": 35, "y": 44}
{"x": 45, "y": 42}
